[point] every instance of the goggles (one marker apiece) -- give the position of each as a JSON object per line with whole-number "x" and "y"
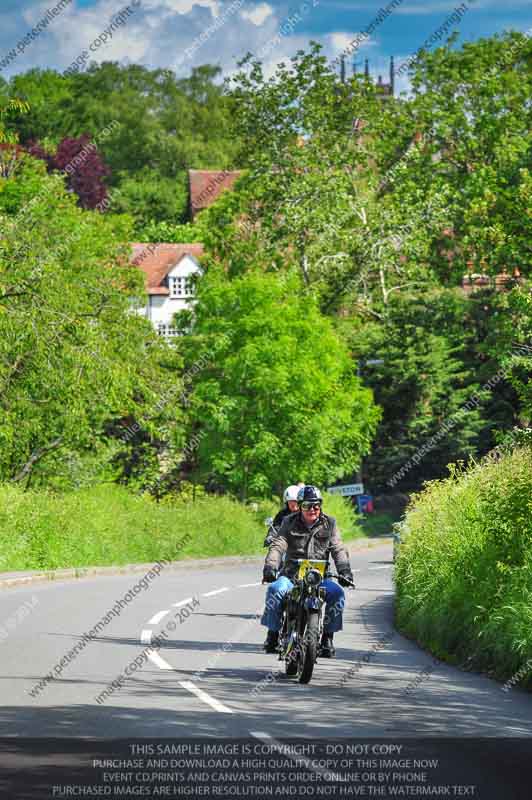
{"x": 307, "y": 505}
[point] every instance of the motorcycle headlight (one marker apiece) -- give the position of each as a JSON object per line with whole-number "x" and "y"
{"x": 313, "y": 577}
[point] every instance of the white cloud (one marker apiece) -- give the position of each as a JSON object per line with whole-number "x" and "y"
{"x": 403, "y": 84}
{"x": 159, "y": 32}
{"x": 258, "y": 14}
{"x": 181, "y": 6}
{"x": 340, "y": 41}
{"x": 153, "y": 35}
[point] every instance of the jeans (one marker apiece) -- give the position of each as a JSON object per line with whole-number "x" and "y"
{"x": 277, "y": 591}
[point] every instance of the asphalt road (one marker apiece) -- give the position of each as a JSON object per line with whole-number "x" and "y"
{"x": 210, "y": 678}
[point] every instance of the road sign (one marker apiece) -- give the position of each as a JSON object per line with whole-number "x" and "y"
{"x": 348, "y": 490}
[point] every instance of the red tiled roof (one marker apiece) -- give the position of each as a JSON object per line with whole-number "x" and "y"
{"x": 156, "y": 261}
{"x": 205, "y": 186}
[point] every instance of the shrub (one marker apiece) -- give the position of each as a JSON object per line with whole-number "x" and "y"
{"x": 464, "y": 574}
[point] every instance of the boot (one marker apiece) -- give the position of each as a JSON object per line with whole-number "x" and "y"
{"x": 326, "y": 646}
{"x": 272, "y": 642}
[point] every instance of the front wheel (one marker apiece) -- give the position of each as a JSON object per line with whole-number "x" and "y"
{"x": 309, "y": 653}
{"x": 291, "y": 667}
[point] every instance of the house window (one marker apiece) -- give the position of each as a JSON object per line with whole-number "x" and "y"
{"x": 181, "y": 287}
{"x": 166, "y": 330}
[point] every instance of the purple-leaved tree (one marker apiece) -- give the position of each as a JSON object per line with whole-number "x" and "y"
{"x": 84, "y": 165}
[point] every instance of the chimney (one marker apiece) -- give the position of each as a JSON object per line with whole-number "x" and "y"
{"x": 392, "y": 77}
{"x": 342, "y": 69}
{"x": 366, "y": 69}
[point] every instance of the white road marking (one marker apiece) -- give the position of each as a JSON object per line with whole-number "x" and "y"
{"x": 156, "y": 659}
{"x": 385, "y": 566}
{"x": 182, "y": 602}
{"x": 145, "y": 637}
{"x": 245, "y": 585}
{"x": 216, "y": 591}
{"x": 158, "y": 617}
{"x": 206, "y": 698}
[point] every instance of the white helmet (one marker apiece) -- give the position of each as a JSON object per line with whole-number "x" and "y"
{"x": 290, "y": 493}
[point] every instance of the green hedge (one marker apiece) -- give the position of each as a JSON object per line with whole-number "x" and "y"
{"x": 464, "y": 573}
{"x": 346, "y": 517}
{"x": 110, "y": 525}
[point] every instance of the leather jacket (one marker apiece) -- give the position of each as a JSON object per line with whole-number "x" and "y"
{"x": 277, "y": 522}
{"x": 281, "y": 516}
{"x": 296, "y": 540}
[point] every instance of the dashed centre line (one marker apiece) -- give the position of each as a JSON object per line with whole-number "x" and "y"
{"x": 182, "y": 602}
{"x": 216, "y": 591}
{"x": 189, "y": 686}
{"x": 211, "y": 701}
{"x": 145, "y": 637}
{"x": 158, "y": 617}
{"x": 156, "y": 659}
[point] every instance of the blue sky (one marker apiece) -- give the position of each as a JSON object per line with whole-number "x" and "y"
{"x": 166, "y": 33}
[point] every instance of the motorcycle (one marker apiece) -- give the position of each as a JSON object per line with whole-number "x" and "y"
{"x": 302, "y": 623}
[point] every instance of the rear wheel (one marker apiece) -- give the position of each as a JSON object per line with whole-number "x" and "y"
{"x": 309, "y": 652}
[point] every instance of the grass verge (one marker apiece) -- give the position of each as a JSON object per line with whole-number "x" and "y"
{"x": 464, "y": 572}
{"x": 108, "y": 525}
{"x": 379, "y": 523}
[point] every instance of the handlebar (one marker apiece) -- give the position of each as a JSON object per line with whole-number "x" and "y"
{"x": 351, "y": 584}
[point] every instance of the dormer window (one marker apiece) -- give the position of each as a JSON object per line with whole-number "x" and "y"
{"x": 180, "y": 286}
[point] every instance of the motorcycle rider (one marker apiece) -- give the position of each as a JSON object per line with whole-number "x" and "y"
{"x": 309, "y": 533}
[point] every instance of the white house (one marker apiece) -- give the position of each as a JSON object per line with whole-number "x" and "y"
{"x": 168, "y": 269}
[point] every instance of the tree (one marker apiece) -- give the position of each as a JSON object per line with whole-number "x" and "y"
{"x": 423, "y": 375}
{"x": 380, "y": 205}
{"x": 49, "y": 95}
{"x": 74, "y": 360}
{"x": 475, "y": 101}
{"x": 87, "y": 177}
{"x": 301, "y": 158}
{"x": 277, "y": 396}
{"x": 148, "y": 197}
{"x": 160, "y": 126}
{"x": 168, "y": 232}
{"x": 83, "y": 166}
{"x": 515, "y": 331}
{"x": 7, "y": 109}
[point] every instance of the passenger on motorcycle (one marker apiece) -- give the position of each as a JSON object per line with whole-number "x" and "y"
{"x": 290, "y": 507}
{"x": 309, "y": 533}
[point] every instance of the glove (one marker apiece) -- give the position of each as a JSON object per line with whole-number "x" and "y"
{"x": 345, "y": 578}
{"x": 269, "y": 574}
